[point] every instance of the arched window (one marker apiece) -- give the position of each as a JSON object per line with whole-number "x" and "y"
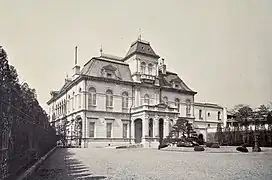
{"x": 150, "y": 128}
{"x": 165, "y": 100}
{"x": 109, "y": 98}
{"x": 146, "y": 99}
{"x": 143, "y": 67}
{"x": 188, "y": 107}
{"x": 177, "y": 103}
{"x": 92, "y": 97}
{"x": 150, "y": 66}
{"x": 124, "y": 100}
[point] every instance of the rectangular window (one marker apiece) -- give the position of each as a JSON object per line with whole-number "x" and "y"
{"x": 109, "y": 129}
{"x": 125, "y": 128}
{"x": 79, "y": 101}
{"x": 219, "y": 114}
{"x": 200, "y": 114}
{"x": 91, "y": 129}
{"x": 188, "y": 109}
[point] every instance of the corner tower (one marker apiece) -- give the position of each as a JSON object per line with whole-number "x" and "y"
{"x": 143, "y": 61}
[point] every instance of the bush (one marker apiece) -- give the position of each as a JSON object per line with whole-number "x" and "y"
{"x": 246, "y": 145}
{"x": 199, "y": 148}
{"x": 215, "y": 145}
{"x": 162, "y": 146}
{"x": 184, "y": 144}
{"x": 209, "y": 144}
{"x": 256, "y": 150}
{"x": 242, "y": 149}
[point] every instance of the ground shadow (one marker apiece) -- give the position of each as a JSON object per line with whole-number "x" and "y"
{"x": 63, "y": 165}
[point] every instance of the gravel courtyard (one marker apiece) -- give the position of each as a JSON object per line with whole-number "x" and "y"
{"x": 106, "y": 163}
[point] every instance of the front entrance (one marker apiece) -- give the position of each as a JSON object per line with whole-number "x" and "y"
{"x": 138, "y": 130}
{"x": 160, "y": 130}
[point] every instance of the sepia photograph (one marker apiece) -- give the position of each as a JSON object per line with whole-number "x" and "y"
{"x": 136, "y": 90}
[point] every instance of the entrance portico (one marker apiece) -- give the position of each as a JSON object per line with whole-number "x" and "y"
{"x": 152, "y": 124}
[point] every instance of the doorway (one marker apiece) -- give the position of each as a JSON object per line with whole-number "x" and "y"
{"x": 138, "y": 130}
{"x": 161, "y": 130}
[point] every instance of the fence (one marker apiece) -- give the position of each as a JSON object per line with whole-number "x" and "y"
{"x": 238, "y": 137}
{"x": 23, "y": 140}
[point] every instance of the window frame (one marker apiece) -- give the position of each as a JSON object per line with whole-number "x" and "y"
{"x": 92, "y": 98}
{"x": 109, "y": 131}
{"x": 109, "y": 98}
{"x": 92, "y": 123}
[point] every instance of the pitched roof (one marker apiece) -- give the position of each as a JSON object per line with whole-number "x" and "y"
{"x": 208, "y": 105}
{"x": 169, "y": 77}
{"x": 141, "y": 47}
{"x": 96, "y": 64}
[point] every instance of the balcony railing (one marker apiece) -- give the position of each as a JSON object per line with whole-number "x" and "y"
{"x": 147, "y": 78}
{"x": 154, "y": 108}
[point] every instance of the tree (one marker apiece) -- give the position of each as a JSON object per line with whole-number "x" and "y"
{"x": 219, "y": 136}
{"x": 180, "y": 127}
{"x": 243, "y": 113}
{"x": 189, "y": 128}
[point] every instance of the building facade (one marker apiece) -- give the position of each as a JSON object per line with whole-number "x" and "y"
{"x": 132, "y": 99}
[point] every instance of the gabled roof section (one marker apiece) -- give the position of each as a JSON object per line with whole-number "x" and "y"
{"x": 170, "y": 77}
{"x": 141, "y": 47}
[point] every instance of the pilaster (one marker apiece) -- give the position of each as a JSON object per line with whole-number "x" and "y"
{"x": 132, "y": 130}
{"x": 166, "y": 127}
{"x": 156, "y": 127}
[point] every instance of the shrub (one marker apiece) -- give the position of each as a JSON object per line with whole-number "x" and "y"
{"x": 184, "y": 144}
{"x": 209, "y": 144}
{"x": 242, "y": 149}
{"x": 246, "y": 145}
{"x": 199, "y": 148}
{"x": 162, "y": 146}
{"x": 215, "y": 145}
{"x": 256, "y": 150}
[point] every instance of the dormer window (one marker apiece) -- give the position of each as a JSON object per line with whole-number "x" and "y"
{"x": 176, "y": 86}
{"x": 108, "y": 71}
{"x": 109, "y": 75}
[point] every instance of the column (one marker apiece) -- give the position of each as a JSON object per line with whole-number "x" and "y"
{"x": 132, "y": 131}
{"x": 156, "y": 127}
{"x": 166, "y": 127}
{"x": 144, "y": 128}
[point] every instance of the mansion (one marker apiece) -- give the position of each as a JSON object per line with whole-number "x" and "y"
{"x": 133, "y": 99}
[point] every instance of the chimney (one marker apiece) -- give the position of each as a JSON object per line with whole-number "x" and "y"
{"x": 162, "y": 66}
{"x": 76, "y": 69}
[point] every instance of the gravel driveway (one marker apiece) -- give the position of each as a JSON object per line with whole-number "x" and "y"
{"x": 128, "y": 164}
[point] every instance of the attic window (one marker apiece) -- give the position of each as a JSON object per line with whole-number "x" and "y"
{"x": 142, "y": 48}
{"x": 108, "y": 74}
{"x": 148, "y": 49}
{"x": 176, "y": 85}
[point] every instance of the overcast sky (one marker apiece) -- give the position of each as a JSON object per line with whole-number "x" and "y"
{"x": 220, "y": 48}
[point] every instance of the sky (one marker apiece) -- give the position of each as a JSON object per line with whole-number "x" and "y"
{"x": 222, "y": 49}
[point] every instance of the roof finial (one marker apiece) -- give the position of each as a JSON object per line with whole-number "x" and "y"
{"x": 66, "y": 75}
{"x": 101, "y": 50}
{"x": 140, "y": 36}
{"x": 75, "y": 55}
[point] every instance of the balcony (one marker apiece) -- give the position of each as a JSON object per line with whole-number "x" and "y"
{"x": 147, "y": 78}
{"x": 155, "y": 108}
